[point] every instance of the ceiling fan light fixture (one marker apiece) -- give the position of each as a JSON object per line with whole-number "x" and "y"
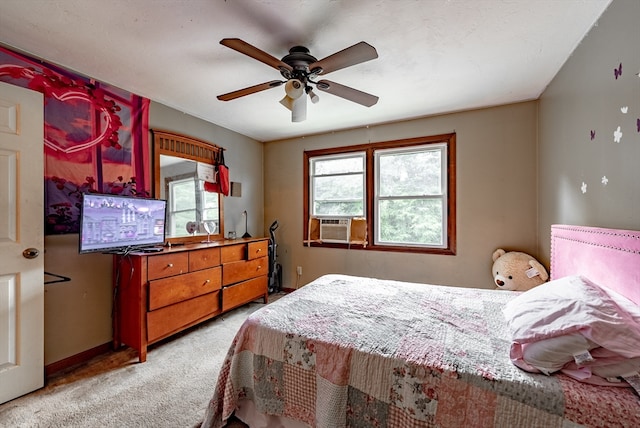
{"x": 312, "y": 95}
{"x": 299, "y": 110}
{"x": 294, "y": 88}
{"x": 287, "y": 101}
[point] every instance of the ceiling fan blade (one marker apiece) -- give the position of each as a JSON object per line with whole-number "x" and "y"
{"x": 347, "y": 93}
{"x": 360, "y": 52}
{"x": 255, "y": 53}
{"x": 250, "y": 90}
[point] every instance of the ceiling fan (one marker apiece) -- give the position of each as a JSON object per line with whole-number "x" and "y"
{"x": 300, "y": 69}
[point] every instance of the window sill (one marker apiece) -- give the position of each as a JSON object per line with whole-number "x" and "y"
{"x": 384, "y": 248}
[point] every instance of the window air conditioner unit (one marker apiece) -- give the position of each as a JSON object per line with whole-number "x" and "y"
{"x": 335, "y": 230}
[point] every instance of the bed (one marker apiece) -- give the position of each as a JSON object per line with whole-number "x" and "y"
{"x": 352, "y": 351}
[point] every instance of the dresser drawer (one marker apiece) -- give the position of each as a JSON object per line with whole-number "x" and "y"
{"x": 170, "y": 319}
{"x": 233, "y": 253}
{"x": 166, "y": 291}
{"x": 202, "y": 259}
{"x": 240, "y": 271}
{"x": 256, "y": 250}
{"x": 165, "y": 265}
{"x": 243, "y": 292}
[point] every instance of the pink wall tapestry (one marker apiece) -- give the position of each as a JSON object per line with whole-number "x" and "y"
{"x": 95, "y": 137}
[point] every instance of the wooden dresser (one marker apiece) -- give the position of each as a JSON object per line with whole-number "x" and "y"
{"x": 159, "y": 294}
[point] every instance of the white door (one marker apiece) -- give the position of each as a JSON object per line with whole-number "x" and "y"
{"x": 21, "y": 241}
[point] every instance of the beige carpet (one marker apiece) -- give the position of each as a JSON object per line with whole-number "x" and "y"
{"x": 171, "y": 389}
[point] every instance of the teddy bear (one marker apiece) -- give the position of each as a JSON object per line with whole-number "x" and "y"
{"x": 517, "y": 271}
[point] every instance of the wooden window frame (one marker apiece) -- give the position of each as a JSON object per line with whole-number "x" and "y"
{"x": 369, "y": 149}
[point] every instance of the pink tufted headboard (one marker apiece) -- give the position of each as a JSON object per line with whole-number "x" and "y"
{"x": 608, "y": 257}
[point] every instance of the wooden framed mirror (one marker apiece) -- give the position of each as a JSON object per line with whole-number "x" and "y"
{"x": 179, "y": 162}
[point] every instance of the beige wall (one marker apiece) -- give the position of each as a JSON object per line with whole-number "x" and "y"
{"x": 496, "y": 198}
{"x": 78, "y": 312}
{"x": 585, "y": 96}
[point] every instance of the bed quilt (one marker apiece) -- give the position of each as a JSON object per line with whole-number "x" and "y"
{"x": 347, "y": 351}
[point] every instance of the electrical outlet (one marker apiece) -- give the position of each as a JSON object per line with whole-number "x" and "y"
{"x": 299, "y": 270}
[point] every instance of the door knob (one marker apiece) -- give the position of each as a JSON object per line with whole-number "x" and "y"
{"x": 30, "y": 253}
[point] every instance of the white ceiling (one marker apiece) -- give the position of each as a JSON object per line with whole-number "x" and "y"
{"x": 435, "y": 56}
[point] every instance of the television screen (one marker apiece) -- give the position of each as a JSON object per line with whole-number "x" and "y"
{"x": 113, "y": 223}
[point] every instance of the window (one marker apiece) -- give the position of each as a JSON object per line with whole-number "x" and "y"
{"x": 404, "y": 190}
{"x": 189, "y": 201}
{"x": 337, "y": 185}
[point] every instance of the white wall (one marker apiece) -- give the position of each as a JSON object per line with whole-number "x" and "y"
{"x": 496, "y": 198}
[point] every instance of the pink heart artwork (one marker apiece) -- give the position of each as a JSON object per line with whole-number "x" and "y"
{"x": 70, "y": 93}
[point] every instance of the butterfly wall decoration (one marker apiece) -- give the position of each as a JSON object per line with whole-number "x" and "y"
{"x": 617, "y": 72}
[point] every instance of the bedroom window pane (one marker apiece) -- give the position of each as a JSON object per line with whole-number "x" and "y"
{"x": 411, "y": 173}
{"x": 343, "y": 187}
{"x": 411, "y": 196}
{"x": 411, "y": 222}
{"x": 333, "y": 165}
{"x": 189, "y": 202}
{"x": 183, "y": 206}
{"x": 337, "y": 185}
{"x": 182, "y": 194}
{"x": 210, "y": 210}
{"x": 338, "y": 208}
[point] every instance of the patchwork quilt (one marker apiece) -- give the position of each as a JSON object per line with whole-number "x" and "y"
{"x": 348, "y": 351}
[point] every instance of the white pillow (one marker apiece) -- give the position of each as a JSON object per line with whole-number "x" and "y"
{"x": 550, "y": 355}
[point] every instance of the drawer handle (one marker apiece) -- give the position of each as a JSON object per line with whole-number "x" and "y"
{"x": 170, "y": 265}
{"x": 259, "y": 267}
{"x": 207, "y": 281}
{"x": 258, "y": 250}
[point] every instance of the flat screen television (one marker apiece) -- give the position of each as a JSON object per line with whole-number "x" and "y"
{"x": 120, "y": 224}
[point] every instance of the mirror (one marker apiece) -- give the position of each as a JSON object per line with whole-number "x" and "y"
{"x": 194, "y": 211}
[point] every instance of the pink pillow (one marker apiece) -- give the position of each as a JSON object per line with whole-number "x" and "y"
{"x": 555, "y": 321}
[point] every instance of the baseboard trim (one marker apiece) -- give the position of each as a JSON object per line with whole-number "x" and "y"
{"x": 76, "y": 359}
{"x": 85, "y": 356}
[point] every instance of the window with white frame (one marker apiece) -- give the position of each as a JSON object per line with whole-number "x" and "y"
{"x": 189, "y": 201}
{"x": 411, "y": 196}
{"x": 337, "y": 185}
{"x": 404, "y": 189}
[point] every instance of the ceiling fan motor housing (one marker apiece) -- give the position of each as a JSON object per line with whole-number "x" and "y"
{"x": 299, "y": 59}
